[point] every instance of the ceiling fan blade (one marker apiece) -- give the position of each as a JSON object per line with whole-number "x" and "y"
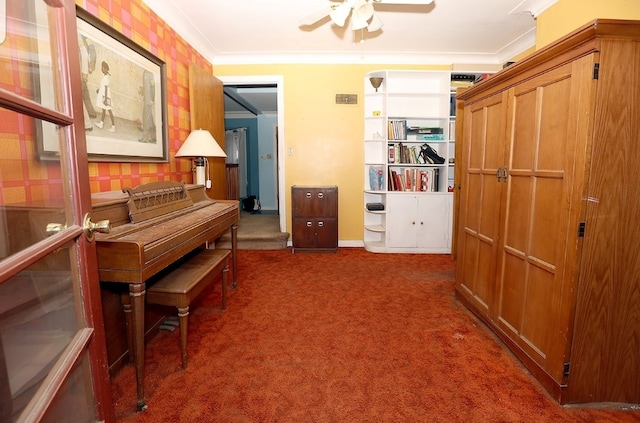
{"x": 316, "y": 16}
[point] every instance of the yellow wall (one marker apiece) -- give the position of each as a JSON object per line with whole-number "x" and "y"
{"x": 567, "y": 15}
{"x": 327, "y": 138}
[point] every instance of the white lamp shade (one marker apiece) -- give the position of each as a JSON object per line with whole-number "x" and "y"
{"x": 200, "y": 143}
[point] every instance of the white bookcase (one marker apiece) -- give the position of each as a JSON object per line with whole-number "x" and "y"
{"x": 409, "y": 111}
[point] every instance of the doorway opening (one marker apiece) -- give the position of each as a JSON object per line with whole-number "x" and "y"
{"x": 254, "y": 109}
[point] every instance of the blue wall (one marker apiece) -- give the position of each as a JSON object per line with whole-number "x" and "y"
{"x": 253, "y": 179}
{"x": 261, "y": 158}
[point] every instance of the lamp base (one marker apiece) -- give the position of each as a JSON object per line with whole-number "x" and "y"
{"x": 200, "y": 163}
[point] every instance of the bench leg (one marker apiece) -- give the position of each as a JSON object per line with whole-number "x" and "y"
{"x": 225, "y": 275}
{"x": 183, "y": 314}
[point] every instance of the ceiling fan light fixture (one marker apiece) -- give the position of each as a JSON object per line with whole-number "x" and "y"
{"x": 340, "y": 13}
{"x": 361, "y": 15}
{"x": 415, "y": 2}
{"x": 375, "y": 24}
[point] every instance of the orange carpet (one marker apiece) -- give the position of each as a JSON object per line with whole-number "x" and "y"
{"x": 346, "y": 337}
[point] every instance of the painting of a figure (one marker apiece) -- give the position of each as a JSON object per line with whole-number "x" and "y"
{"x": 121, "y": 86}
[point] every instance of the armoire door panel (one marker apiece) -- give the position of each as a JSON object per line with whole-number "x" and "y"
{"x": 473, "y": 212}
{"x": 489, "y": 207}
{"x": 554, "y": 126}
{"x": 512, "y": 295}
{"x": 477, "y": 278}
{"x": 546, "y": 224}
{"x": 486, "y": 121}
{"x": 480, "y": 198}
{"x": 518, "y": 213}
{"x": 485, "y": 284}
{"x": 523, "y": 147}
{"x": 541, "y": 298}
{"x": 467, "y": 272}
{"x": 532, "y": 261}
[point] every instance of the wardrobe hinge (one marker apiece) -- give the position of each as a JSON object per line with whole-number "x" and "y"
{"x": 596, "y": 70}
{"x": 581, "y": 229}
{"x": 565, "y": 369}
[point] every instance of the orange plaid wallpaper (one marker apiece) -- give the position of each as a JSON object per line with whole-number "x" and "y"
{"x": 134, "y": 19}
{"x": 25, "y": 179}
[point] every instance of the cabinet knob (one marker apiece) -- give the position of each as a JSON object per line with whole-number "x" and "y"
{"x": 320, "y": 224}
{"x": 308, "y": 195}
{"x": 309, "y": 224}
{"x": 320, "y": 195}
{"x": 413, "y": 223}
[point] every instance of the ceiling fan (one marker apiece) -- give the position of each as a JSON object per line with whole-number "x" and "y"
{"x": 362, "y": 13}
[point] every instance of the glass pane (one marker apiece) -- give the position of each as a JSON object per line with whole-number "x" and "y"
{"x": 31, "y": 189}
{"x": 74, "y": 398}
{"x": 28, "y": 67}
{"x": 38, "y": 318}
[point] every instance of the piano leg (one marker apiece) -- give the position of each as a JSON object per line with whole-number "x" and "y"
{"x": 126, "y": 304}
{"x": 234, "y": 250}
{"x": 136, "y": 293}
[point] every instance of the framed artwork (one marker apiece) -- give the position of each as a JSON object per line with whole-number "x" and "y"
{"x": 124, "y": 96}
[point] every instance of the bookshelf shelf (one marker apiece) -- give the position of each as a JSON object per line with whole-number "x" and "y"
{"x": 406, "y": 165}
{"x": 375, "y": 228}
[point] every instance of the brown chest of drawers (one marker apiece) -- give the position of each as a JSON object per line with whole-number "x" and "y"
{"x": 315, "y": 218}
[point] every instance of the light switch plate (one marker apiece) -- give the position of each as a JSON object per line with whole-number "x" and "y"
{"x": 346, "y": 99}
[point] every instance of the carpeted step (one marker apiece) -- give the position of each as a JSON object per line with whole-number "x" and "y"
{"x": 257, "y": 231}
{"x": 271, "y": 241}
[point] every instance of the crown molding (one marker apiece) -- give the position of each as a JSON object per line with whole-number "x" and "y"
{"x": 168, "y": 11}
{"x": 535, "y": 7}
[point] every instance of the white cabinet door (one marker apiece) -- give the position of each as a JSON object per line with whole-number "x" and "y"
{"x": 419, "y": 223}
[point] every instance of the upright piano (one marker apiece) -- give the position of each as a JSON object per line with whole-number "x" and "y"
{"x": 152, "y": 227}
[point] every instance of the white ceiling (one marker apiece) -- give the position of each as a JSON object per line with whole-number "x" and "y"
{"x": 463, "y": 32}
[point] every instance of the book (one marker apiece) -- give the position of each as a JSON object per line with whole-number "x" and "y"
{"x": 397, "y": 129}
{"x": 375, "y": 178}
{"x": 430, "y": 136}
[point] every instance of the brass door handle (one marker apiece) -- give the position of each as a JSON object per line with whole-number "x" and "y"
{"x": 90, "y": 228}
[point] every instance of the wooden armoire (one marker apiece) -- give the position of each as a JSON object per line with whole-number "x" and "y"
{"x": 548, "y": 235}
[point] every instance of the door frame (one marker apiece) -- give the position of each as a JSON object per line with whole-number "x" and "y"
{"x": 89, "y": 342}
{"x": 278, "y": 80}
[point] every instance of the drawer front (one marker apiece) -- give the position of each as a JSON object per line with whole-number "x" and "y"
{"x": 314, "y": 201}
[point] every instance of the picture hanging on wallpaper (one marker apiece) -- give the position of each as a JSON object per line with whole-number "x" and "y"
{"x": 123, "y": 97}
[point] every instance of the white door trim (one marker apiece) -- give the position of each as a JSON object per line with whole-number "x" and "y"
{"x": 278, "y": 80}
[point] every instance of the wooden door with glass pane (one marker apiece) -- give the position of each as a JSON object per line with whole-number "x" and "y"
{"x": 53, "y": 364}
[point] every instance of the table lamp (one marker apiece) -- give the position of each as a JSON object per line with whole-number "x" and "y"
{"x": 200, "y": 144}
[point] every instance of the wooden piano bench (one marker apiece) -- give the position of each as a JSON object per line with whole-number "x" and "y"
{"x": 180, "y": 286}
